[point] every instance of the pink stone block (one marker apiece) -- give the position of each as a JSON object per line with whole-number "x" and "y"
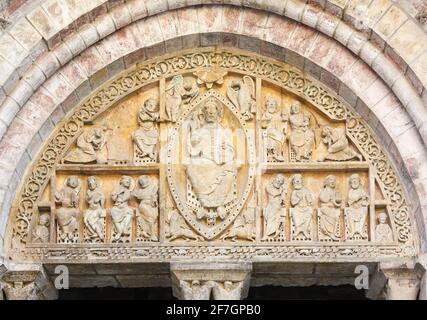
{"x": 188, "y": 24}
{"x": 279, "y": 30}
{"x": 359, "y": 77}
{"x": 73, "y": 74}
{"x": 375, "y": 93}
{"x": 169, "y": 24}
{"x": 231, "y": 19}
{"x": 90, "y": 60}
{"x": 210, "y": 18}
{"x": 150, "y": 30}
{"x": 33, "y": 114}
{"x": 253, "y": 23}
{"x": 302, "y": 39}
{"x": 320, "y": 49}
{"x": 341, "y": 59}
{"x": 43, "y": 99}
{"x": 126, "y": 41}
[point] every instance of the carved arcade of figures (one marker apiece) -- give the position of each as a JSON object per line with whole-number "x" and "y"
{"x": 302, "y": 210}
{"x": 95, "y": 214}
{"x": 302, "y": 138}
{"x": 212, "y": 171}
{"x": 357, "y": 211}
{"x": 329, "y": 211}
{"x": 242, "y": 94}
{"x": 121, "y": 213}
{"x": 275, "y": 124}
{"x": 179, "y": 92}
{"x": 339, "y": 148}
{"x": 148, "y": 208}
{"x": 146, "y": 137}
{"x": 274, "y": 214}
{"x": 383, "y": 232}
{"x": 67, "y": 215}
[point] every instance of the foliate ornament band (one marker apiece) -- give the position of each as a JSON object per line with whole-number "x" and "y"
{"x": 278, "y": 73}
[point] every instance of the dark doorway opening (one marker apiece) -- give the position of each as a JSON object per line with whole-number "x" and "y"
{"x": 255, "y": 293}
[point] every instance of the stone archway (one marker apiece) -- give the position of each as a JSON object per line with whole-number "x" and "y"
{"x": 363, "y": 91}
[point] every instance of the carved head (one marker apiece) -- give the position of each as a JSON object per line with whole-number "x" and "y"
{"x": 296, "y": 107}
{"x": 144, "y": 181}
{"x": 72, "y": 182}
{"x": 354, "y": 181}
{"x": 151, "y": 105}
{"x": 271, "y": 104}
{"x": 326, "y": 131}
{"x": 92, "y": 183}
{"x": 212, "y": 111}
{"x": 330, "y": 181}
{"x": 382, "y": 217}
{"x": 297, "y": 181}
{"x": 44, "y": 220}
{"x": 98, "y": 133}
{"x": 195, "y": 283}
{"x": 126, "y": 182}
{"x": 228, "y": 285}
{"x": 188, "y": 84}
{"x": 278, "y": 181}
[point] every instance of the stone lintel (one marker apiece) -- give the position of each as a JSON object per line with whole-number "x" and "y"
{"x": 206, "y": 280}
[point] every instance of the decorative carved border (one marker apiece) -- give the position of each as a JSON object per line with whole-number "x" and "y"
{"x": 256, "y": 66}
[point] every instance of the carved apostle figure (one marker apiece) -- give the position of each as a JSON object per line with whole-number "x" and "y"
{"x": 179, "y": 92}
{"x": 339, "y": 148}
{"x": 68, "y": 212}
{"x": 242, "y": 94}
{"x": 94, "y": 215}
{"x": 357, "y": 212}
{"x": 178, "y": 228}
{"x": 147, "y": 194}
{"x": 145, "y": 138}
{"x": 302, "y": 211}
{"x": 41, "y": 231}
{"x": 88, "y": 144}
{"x": 329, "y": 211}
{"x": 243, "y": 227}
{"x": 301, "y": 139}
{"x": 383, "y": 232}
{"x": 275, "y": 125}
{"x": 212, "y": 168}
{"x": 227, "y": 291}
{"x": 274, "y": 213}
{"x": 121, "y": 212}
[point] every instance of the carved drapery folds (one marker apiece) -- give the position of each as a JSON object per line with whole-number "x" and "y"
{"x": 228, "y": 151}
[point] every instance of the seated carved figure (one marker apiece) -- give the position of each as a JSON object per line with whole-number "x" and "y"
{"x": 275, "y": 125}
{"x": 212, "y": 169}
{"x": 148, "y": 207}
{"x": 121, "y": 212}
{"x": 329, "y": 212}
{"x": 357, "y": 211}
{"x": 301, "y": 139}
{"x": 339, "y": 148}
{"x": 145, "y": 138}
{"x": 302, "y": 211}
{"x": 94, "y": 215}
{"x": 41, "y": 231}
{"x": 88, "y": 144}
{"x": 68, "y": 212}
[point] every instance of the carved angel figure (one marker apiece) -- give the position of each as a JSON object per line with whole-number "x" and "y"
{"x": 242, "y": 94}
{"x": 383, "y": 232}
{"x": 180, "y": 91}
{"x": 357, "y": 211}
{"x": 121, "y": 212}
{"x": 145, "y": 138}
{"x": 227, "y": 291}
{"x": 275, "y": 124}
{"x": 243, "y": 227}
{"x": 274, "y": 213}
{"x": 339, "y": 148}
{"x": 302, "y": 137}
{"x": 41, "y": 230}
{"x": 329, "y": 211}
{"x": 94, "y": 215}
{"x": 88, "y": 145}
{"x": 147, "y": 194}
{"x": 178, "y": 228}
{"x": 302, "y": 211}
{"x": 68, "y": 212}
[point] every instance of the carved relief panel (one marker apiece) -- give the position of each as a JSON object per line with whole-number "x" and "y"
{"x": 222, "y": 155}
